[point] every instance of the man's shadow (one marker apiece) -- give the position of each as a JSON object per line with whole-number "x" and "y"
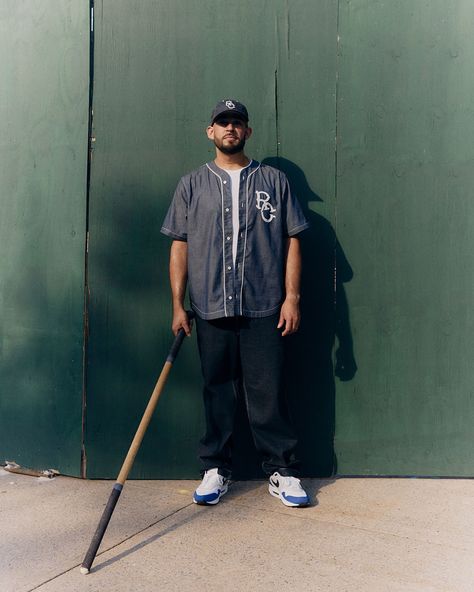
{"x": 311, "y": 362}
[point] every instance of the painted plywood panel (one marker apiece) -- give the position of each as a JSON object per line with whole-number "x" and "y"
{"x": 159, "y": 69}
{"x": 405, "y": 215}
{"x": 44, "y": 62}
{"x": 305, "y": 127}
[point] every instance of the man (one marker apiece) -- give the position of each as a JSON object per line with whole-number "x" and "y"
{"x": 234, "y": 225}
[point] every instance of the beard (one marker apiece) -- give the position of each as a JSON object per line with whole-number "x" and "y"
{"x": 230, "y": 149}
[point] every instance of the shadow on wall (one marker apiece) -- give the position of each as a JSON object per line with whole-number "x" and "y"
{"x": 311, "y": 369}
{"x": 130, "y": 335}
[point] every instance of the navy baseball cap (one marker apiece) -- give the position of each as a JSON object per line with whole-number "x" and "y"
{"x": 229, "y": 107}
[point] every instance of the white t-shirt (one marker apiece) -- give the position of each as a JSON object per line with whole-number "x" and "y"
{"x": 234, "y": 175}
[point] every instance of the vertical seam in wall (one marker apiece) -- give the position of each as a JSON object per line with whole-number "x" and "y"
{"x": 336, "y": 97}
{"x": 86, "y": 246}
{"x": 336, "y": 132}
{"x": 277, "y": 123}
{"x": 275, "y": 84}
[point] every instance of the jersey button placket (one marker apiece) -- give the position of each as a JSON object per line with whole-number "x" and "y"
{"x": 241, "y": 241}
{"x": 228, "y": 275}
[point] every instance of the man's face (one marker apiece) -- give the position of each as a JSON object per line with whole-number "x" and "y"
{"x": 229, "y": 134}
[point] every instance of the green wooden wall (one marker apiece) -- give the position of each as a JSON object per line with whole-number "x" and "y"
{"x": 44, "y": 61}
{"x": 365, "y": 105}
{"x": 159, "y": 69}
{"x": 405, "y": 216}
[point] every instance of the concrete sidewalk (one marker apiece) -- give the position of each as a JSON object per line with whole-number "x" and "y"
{"x": 361, "y": 535}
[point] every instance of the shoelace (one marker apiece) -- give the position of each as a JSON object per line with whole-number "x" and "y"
{"x": 291, "y": 481}
{"x": 208, "y": 476}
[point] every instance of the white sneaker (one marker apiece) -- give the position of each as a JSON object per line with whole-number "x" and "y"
{"x": 213, "y": 486}
{"x": 289, "y": 490}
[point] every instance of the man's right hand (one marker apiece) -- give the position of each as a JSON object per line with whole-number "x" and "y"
{"x": 181, "y": 321}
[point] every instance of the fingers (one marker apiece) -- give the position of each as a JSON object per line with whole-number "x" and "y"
{"x": 288, "y": 328}
{"x": 289, "y": 317}
{"x": 281, "y": 322}
{"x": 181, "y": 322}
{"x": 187, "y": 326}
{"x": 291, "y": 325}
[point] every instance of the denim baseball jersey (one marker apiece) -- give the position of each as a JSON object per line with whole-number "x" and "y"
{"x": 201, "y": 214}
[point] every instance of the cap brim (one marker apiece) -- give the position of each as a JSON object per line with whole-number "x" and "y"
{"x": 230, "y": 112}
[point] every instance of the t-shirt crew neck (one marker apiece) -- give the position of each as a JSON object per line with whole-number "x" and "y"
{"x": 234, "y": 175}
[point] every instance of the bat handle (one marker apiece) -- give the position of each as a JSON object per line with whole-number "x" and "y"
{"x": 179, "y": 339}
{"x": 101, "y": 528}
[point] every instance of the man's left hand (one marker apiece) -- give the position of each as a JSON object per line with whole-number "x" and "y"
{"x": 289, "y": 316}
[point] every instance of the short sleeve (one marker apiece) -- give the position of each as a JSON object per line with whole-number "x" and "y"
{"x": 294, "y": 220}
{"x": 175, "y": 224}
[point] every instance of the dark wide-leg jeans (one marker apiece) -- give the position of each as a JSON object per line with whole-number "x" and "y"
{"x": 246, "y": 351}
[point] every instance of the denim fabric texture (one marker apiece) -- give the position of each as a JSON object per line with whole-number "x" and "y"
{"x": 201, "y": 214}
{"x": 246, "y": 352}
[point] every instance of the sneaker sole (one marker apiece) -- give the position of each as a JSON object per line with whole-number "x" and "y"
{"x": 213, "y": 502}
{"x": 273, "y": 491}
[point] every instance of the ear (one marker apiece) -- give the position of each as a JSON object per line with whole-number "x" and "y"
{"x": 210, "y": 132}
{"x": 248, "y": 132}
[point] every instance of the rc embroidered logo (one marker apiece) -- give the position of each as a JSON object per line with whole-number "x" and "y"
{"x": 229, "y": 105}
{"x": 263, "y": 204}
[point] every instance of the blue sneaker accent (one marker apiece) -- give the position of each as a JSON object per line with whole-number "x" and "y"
{"x": 210, "y": 497}
{"x": 212, "y": 487}
{"x": 288, "y": 489}
{"x": 301, "y": 501}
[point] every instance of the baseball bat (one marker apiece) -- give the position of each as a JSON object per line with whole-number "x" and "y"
{"x": 132, "y": 452}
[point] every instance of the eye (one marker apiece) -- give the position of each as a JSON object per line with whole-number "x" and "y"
{"x": 225, "y": 122}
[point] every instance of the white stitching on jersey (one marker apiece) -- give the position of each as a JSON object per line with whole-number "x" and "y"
{"x": 208, "y": 313}
{"x": 245, "y": 242}
{"x": 296, "y": 228}
{"x": 223, "y": 238}
{"x": 170, "y": 232}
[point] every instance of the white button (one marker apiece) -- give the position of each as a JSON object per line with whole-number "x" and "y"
{"x": 230, "y": 297}
{"x": 227, "y": 210}
{"x": 228, "y": 238}
{"x": 229, "y": 267}
{"x": 225, "y": 182}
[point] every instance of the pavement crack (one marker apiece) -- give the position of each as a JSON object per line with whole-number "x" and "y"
{"x": 121, "y": 542}
{"x": 298, "y": 515}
